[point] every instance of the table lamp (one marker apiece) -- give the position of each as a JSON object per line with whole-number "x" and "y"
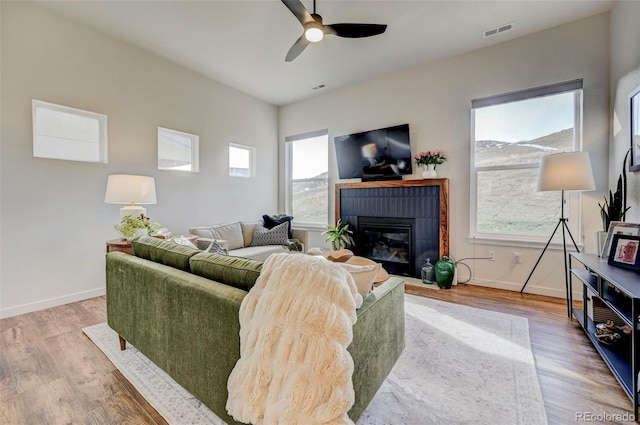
{"x": 132, "y": 191}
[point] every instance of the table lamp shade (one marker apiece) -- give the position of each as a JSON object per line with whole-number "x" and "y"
{"x": 131, "y": 190}
{"x": 566, "y": 171}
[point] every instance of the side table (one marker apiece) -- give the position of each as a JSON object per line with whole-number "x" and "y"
{"x": 121, "y": 245}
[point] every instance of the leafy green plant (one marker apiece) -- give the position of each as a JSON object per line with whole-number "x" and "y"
{"x": 615, "y": 209}
{"x": 339, "y": 235}
{"x": 294, "y": 245}
{"x": 129, "y": 225}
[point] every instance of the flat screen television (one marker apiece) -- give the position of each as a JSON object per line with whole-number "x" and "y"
{"x": 374, "y": 155}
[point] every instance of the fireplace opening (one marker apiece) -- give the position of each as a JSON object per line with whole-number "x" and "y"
{"x": 388, "y": 241}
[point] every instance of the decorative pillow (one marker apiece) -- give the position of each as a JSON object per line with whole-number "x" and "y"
{"x": 231, "y": 232}
{"x": 216, "y": 248}
{"x": 363, "y": 275}
{"x": 275, "y": 236}
{"x": 271, "y": 222}
{"x": 181, "y": 240}
{"x": 248, "y": 228}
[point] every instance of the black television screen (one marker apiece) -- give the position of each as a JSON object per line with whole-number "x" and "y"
{"x": 375, "y": 154}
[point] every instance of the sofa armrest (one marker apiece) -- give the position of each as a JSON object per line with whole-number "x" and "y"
{"x": 378, "y": 341}
{"x": 203, "y": 243}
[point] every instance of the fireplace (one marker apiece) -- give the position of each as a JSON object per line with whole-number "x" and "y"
{"x": 423, "y": 203}
{"x": 388, "y": 241}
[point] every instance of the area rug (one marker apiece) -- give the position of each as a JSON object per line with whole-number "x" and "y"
{"x": 461, "y": 365}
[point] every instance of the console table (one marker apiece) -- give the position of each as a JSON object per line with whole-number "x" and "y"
{"x": 619, "y": 291}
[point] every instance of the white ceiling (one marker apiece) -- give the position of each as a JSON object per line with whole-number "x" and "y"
{"x": 243, "y": 43}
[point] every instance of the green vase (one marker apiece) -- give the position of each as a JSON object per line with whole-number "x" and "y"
{"x": 444, "y": 273}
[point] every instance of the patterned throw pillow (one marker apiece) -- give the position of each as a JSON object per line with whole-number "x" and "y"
{"x": 271, "y": 222}
{"x": 276, "y": 236}
{"x": 216, "y": 248}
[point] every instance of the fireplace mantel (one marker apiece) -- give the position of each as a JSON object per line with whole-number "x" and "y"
{"x": 396, "y": 188}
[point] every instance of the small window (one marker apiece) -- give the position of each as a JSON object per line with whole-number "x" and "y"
{"x": 178, "y": 151}
{"x": 241, "y": 160}
{"x": 61, "y": 132}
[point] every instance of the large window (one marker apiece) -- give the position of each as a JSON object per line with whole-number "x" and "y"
{"x": 510, "y": 134}
{"x": 307, "y": 170}
{"x": 178, "y": 151}
{"x": 61, "y": 132}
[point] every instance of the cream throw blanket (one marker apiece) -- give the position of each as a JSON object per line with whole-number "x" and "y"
{"x": 295, "y": 326}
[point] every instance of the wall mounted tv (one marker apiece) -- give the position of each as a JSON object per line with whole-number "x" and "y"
{"x": 374, "y": 155}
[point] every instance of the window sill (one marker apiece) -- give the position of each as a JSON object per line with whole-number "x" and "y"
{"x": 310, "y": 227}
{"x": 556, "y": 244}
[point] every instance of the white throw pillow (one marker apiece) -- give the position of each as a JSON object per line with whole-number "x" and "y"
{"x": 181, "y": 240}
{"x": 363, "y": 275}
{"x": 232, "y": 233}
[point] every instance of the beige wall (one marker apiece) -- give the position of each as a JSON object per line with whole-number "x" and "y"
{"x": 53, "y": 219}
{"x": 435, "y": 100}
{"x": 625, "y": 78}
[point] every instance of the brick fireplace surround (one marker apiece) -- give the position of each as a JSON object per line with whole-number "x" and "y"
{"x": 426, "y": 202}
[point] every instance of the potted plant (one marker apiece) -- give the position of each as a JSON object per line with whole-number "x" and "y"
{"x": 429, "y": 160}
{"x": 615, "y": 208}
{"x": 129, "y": 226}
{"x": 339, "y": 235}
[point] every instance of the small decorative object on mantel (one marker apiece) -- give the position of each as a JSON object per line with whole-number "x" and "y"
{"x": 428, "y": 160}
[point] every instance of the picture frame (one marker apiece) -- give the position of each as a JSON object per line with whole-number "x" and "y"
{"x": 618, "y": 228}
{"x": 634, "y": 108}
{"x": 625, "y": 252}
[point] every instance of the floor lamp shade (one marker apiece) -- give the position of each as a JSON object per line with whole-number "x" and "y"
{"x": 132, "y": 191}
{"x": 566, "y": 171}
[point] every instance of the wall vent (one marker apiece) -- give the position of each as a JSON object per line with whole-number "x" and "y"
{"x": 318, "y": 87}
{"x": 497, "y": 30}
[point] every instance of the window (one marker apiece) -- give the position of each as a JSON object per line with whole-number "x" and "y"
{"x": 178, "y": 151}
{"x": 241, "y": 160}
{"x": 307, "y": 183}
{"x": 61, "y": 132}
{"x": 510, "y": 134}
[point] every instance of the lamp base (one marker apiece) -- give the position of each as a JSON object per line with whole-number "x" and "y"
{"x": 134, "y": 211}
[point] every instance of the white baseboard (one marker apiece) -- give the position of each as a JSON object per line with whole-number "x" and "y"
{"x": 530, "y": 289}
{"x": 51, "y": 302}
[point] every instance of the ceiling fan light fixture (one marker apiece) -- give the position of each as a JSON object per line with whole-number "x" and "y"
{"x": 313, "y": 31}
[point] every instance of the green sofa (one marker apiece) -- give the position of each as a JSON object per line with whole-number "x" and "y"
{"x": 179, "y": 306}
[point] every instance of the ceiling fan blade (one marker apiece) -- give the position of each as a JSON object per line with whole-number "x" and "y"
{"x": 298, "y": 10}
{"x": 355, "y": 30}
{"x": 297, "y": 48}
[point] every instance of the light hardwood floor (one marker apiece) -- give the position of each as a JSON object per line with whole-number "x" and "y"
{"x": 50, "y": 373}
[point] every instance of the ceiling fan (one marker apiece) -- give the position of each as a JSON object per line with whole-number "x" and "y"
{"x": 315, "y": 30}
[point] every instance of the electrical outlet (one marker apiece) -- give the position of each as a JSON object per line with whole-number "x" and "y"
{"x": 517, "y": 257}
{"x": 492, "y": 256}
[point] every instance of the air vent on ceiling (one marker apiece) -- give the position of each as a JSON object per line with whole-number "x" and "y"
{"x": 318, "y": 87}
{"x": 497, "y": 30}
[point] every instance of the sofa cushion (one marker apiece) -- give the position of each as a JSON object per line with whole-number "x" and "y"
{"x": 271, "y": 222}
{"x": 275, "y": 236}
{"x": 163, "y": 252}
{"x": 248, "y": 227}
{"x": 231, "y": 232}
{"x": 233, "y": 271}
{"x": 203, "y": 232}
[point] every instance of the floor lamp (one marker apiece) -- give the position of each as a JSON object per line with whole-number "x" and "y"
{"x": 563, "y": 171}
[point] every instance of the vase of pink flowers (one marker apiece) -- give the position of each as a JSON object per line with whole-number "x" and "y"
{"x": 428, "y": 160}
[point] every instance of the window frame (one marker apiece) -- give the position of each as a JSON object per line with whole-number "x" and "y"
{"x": 572, "y": 199}
{"x": 195, "y": 150}
{"x": 102, "y": 130}
{"x": 252, "y": 159}
{"x": 288, "y": 181}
